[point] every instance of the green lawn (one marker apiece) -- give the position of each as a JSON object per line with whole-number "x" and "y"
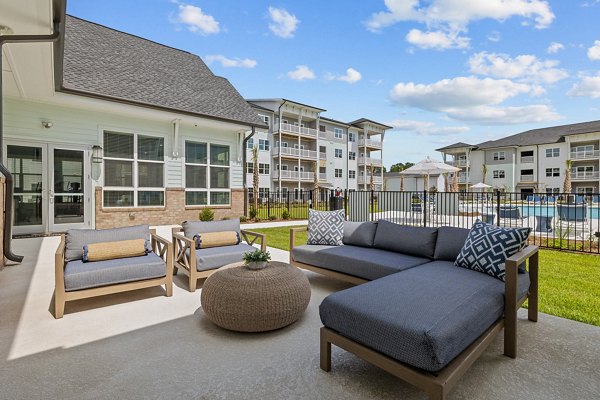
{"x": 569, "y": 283}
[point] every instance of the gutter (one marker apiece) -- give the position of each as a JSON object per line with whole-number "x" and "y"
{"x": 8, "y": 194}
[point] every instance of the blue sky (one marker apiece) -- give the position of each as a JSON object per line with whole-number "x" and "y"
{"x": 439, "y": 71}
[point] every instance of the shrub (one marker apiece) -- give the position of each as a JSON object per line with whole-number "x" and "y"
{"x": 207, "y": 215}
{"x": 272, "y": 217}
{"x": 253, "y": 213}
{"x": 256, "y": 256}
{"x": 243, "y": 218}
{"x": 285, "y": 214}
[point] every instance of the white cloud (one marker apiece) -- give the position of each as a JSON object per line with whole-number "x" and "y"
{"x": 494, "y": 36}
{"x": 351, "y": 76}
{"x": 301, "y": 73}
{"x": 525, "y": 67}
{"x": 555, "y": 47}
{"x": 283, "y": 24}
{"x": 196, "y": 20}
{"x": 588, "y": 86}
{"x": 425, "y": 128}
{"x": 230, "y": 62}
{"x": 456, "y": 93}
{"x": 438, "y": 40}
{"x": 486, "y": 115}
{"x": 593, "y": 52}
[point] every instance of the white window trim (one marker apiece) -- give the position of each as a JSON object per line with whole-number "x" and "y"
{"x": 338, "y": 133}
{"x": 341, "y": 152}
{"x": 134, "y": 171}
{"x": 208, "y": 166}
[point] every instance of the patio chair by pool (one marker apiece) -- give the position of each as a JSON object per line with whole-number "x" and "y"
{"x": 511, "y": 216}
{"x": 572, "y": 219}
{"x": 534, "y": 199}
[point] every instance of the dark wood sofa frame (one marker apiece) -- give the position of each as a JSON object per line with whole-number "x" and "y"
{"x": 160, "y": 246}
{"x": 438, "y": 385}
{"x": 185, "y": 258}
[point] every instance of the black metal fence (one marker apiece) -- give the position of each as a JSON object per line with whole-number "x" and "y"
{"x": 558, "y": 221}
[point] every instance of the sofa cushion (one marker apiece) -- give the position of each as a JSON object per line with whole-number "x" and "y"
{"x": 216, "y": 239}
{"x": 362, "y": 262}
{"x": 326, "y": 227}
{"x": 216, "y": 257}
{"x": 192, "y": 228}
{"x": 110, "y": 250}
{"x": 424, "y": 317}
{"x": 75, "y": 239}
{"x": 449, "y": 242}
{"x": 416, "y": 241}
{"x": 488, "y": 246}
{"x": 80, "y": 275}
{"x": 359, "y": 233}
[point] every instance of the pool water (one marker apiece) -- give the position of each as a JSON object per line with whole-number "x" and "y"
{"x": 549, "y": 210}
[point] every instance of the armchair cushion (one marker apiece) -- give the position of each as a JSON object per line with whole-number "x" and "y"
{"x": 75, "y": 239}
{"x": 216, "y": 239}
{"x": 215, "y": 257}
{"x": 80, "y": 275}
{"x": 192, "y": 228}
{"x": 112, "y": 250}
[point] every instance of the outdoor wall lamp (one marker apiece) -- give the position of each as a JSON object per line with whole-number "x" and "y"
{"x": 96, "y": 154}
{"x": 47, "y": 124}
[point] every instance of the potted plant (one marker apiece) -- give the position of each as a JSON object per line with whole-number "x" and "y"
{"x": 256, "y": 259}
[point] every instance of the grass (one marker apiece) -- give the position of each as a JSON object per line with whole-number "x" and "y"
{"x": 569, "y": 285}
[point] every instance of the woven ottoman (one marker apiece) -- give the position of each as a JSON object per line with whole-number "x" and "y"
{"x": 244, "y": 300}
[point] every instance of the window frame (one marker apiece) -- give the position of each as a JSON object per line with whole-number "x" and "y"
{"x": 338, "y": 133}
{"x": 351, "y": 174}
{"x": 135, "y": 188}
{"x": 553, "y": 152}
{"x": 335, "y": 173}
{"x": 208, "y": 190}
{"x": 499, "y": 155}
{"x": 499, "y": 174}
{"x": 341, "y": 152}
{"x": 351, "y": 155}
{"x": 552, "y": 172}
{"x": 263, "y": 145}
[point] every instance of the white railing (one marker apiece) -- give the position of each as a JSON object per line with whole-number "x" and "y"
{"x": 303, "y": 176}
{"x": 583, "y": 175}
{"x": 322, "y": 135}
{"x": 299, "y": 130}
{"x": 376, "y": 162}
{"x": 462, "y": 178}
{"x": 369, "y": 143}
{"x": 526, "y": 159}
{"x": 323, "y": 156}
{"x": 458, "y": 163}
{"x": 584, "y": 155}
{"x": 291, "y": 151}
{"x": 526, "y": 178}
{"x": 367, "y": 179}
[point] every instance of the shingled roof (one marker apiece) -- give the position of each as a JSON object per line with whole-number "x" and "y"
{"x": 110, "y": 64}
{"x": 458, "y": 145}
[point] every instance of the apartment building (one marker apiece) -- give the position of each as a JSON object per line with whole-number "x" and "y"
{"x": 533, "y": 161}
{"x": 300, "y": 142}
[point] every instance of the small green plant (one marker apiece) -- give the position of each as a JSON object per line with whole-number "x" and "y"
{"x": 272, "y": 217}
{"x": 285, "y": 214}
{"x": 253, "y": 213}
{"x": 207, "y": 215}
{"x": 256, "y": 256}
{"x": 243, "y": 218}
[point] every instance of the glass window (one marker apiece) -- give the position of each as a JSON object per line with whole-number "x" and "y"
{"x": 352, "y": 174}
{"x": 118, "y": 198}
{"x": 338, "y": 133}
{"x": 499, "y": 155}
{"x": 263, "y": 144}
{"x": 219, "y": 198}
{"x": 338, "y": 173}
{"x": 151, "y": 148}
{"x": 219, "y": 154}
{"x": 352, "y": 155}
{"x": 207, "y": 183}
{"x": 196, "y": 198}
{"x": 219, "y": 178}
{"x": 195, "y": 176}
{"x": 552, "y": 172}
{"x": 499, "y": 174}
{"x": 352, "y": 137}
{"x": 197, "y": 153}
{"x": 263, "y": 169}
{"x": 338, "y": 153}
{"x": 249, "y": 168}
{"x": 118, "y": 145}
{"x": 118, "y": 173}
{"x": 554, "y": 152}
{"x": 249, "y": 143}
{"x": 150, "y": 175}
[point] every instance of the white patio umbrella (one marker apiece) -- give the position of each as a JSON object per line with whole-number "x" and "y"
{"x": 480, "y": 185}
{"x": 429, "y": 167}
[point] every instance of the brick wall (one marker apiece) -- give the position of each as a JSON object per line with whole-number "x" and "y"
{"x": 174, "y": 212}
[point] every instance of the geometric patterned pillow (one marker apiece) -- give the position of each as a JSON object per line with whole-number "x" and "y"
{"x": 488, "y": 246}
{"x": 326, "y": 227}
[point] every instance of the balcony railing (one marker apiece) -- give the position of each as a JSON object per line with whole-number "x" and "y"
{"x": 298, "y": 130}
{"x": 294, "y": 175}
{"x": 323, "y": 156}
{"x": 462, "y": 178}
{"x": 323, "y": 177}
{"x": 376, "y": 144}
{"x": 584, "y": 155}
{"x": 526, "y": 178}
{"x": 367, "y": 179}
{"x": 293, "y": 152}
{"x": 584, "y": 175}
{"x": 526, "y": 159}
{"x": 376, "y": 162}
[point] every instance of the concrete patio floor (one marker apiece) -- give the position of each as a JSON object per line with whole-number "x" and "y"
{"x": 145, "y": 345}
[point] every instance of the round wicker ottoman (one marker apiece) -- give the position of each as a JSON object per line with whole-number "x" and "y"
{"x": 240, "y": 299}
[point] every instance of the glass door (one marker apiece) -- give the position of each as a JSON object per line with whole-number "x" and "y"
{"x": 69, "y": 189}
{"x": 27, "y": 163}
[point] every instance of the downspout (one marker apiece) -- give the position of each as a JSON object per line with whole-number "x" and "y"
{"x": 244, "y": 169}
{"x": 8, "y": 193}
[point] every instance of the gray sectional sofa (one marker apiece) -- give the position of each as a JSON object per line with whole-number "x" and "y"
{"x": 413, "y": 312}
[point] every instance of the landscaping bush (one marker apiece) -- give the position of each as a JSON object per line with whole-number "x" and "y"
{"x": 253, "y": 213}
{"x": 207, "y": 215}
{"x": 272, "y": 217}
{"x": 243, "y": 218}
{"x": 285, "y": 214}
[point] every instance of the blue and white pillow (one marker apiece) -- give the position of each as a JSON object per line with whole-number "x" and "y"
{"x": 488, "y": 246}
{"x": 326, "y": 227}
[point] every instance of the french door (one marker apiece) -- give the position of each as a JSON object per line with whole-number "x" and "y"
{"x": 52, "y": 188}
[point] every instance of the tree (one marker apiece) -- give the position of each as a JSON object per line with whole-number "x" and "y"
{"x": 402, "y": 183}
{"x": 400, "y": 166}
{"x": 484, "y": 170}
{"x": 371, "y": 173}
{"x": 426, "y": 182}
{"x": 315, "y": 186}
{"x": 567, "y": 183}
{"x": 446, "y": 186}
{"x": 255, "y": 178}
{"x": 454, "y": 187}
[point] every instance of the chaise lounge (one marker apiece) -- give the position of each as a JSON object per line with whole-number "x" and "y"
{"x": 414, "y": 313}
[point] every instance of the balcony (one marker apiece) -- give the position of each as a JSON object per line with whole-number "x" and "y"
{"x": 585, "y": 155}
{"x": 526, "y": 159}
{"x": 295, "y": 153}
{"x": 323, "y": 177}
{"x": 293, "y": 175}
{"x": 374, "y": 144}
{"x": 365, "y": 180}
{"x": 584, "y": 175}
{"x": 323, "y": 156}
{"x": 527, "y": 178}
{"x": 376, "y": 162}
{"x": 462, "y": 178}
{"x": 298, "y": 130}
{"x": 458, "y": 163}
